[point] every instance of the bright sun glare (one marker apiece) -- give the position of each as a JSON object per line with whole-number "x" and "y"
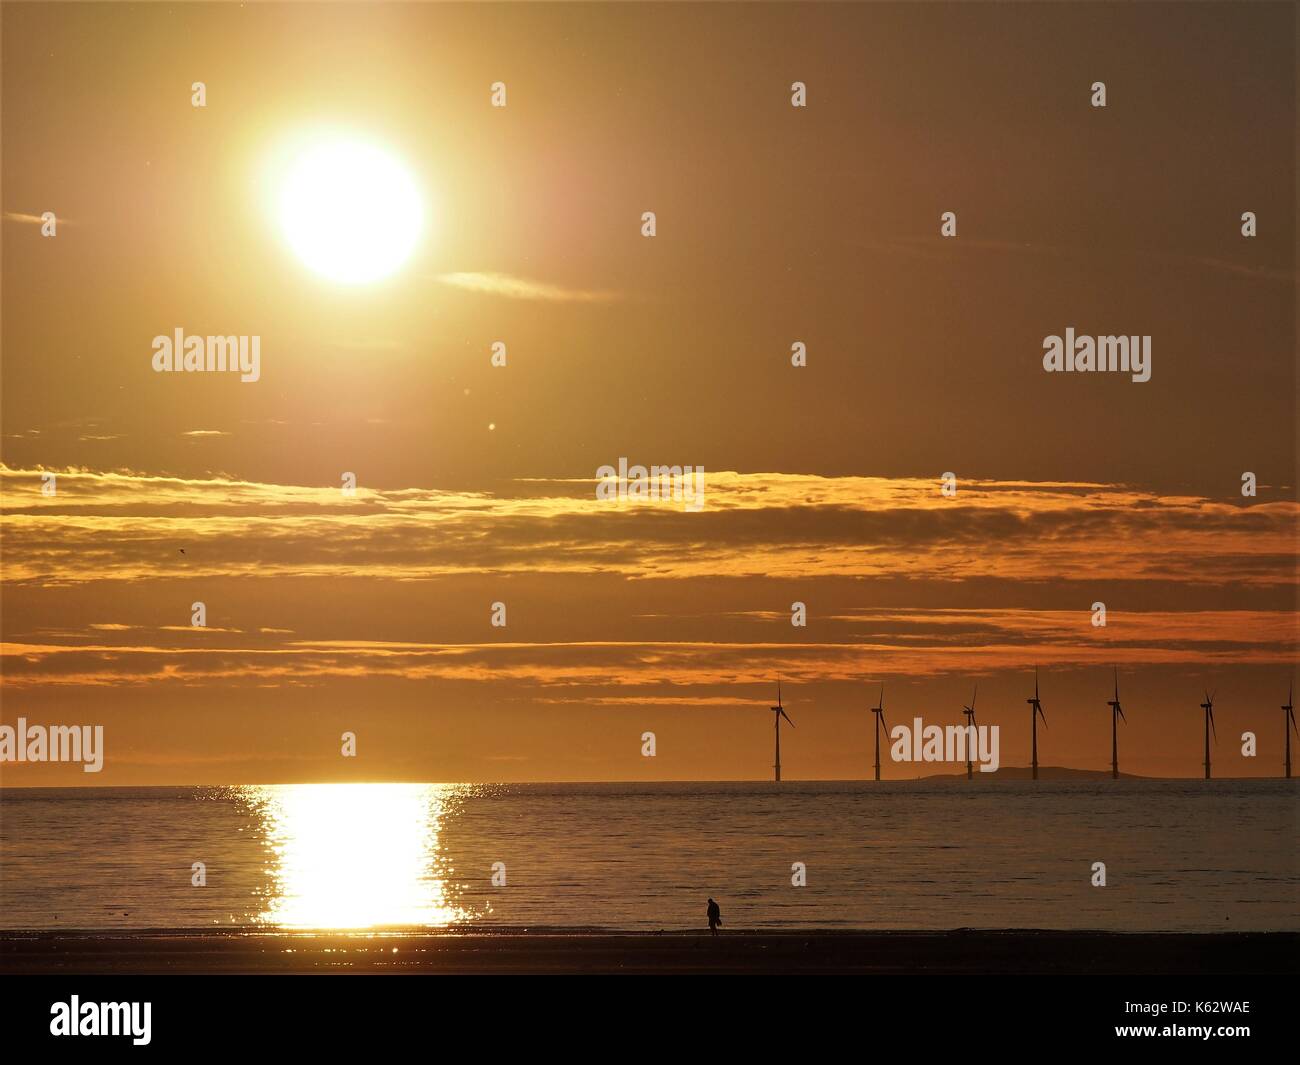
{"x": 351, "y": 212}
{"x": 356, "y": 855}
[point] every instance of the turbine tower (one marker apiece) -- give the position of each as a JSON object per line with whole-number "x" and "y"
{"x": 778, "y": 713}
{"x": 879, "y": 711}
{"x": 969, "y": 711}
{"x": 1208, "y": 707}
{"x": 1288, "y": 723}
{"x": 1116, "y": 715}
{"x": 1035, "y": 712}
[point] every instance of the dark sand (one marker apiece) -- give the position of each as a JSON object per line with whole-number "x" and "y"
{"x": 565, "y": 951}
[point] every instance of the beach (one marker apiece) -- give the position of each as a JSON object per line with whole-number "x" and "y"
{"x": 595, "y": 952}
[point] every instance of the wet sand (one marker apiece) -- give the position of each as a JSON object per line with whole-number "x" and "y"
{"x": 568, "y": 951}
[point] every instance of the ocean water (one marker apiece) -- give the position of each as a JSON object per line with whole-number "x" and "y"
{"x": 1184, "y": 856}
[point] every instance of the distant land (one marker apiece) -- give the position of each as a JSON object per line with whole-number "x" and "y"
{"x": 1046, "y": 772}
{"x": 1056, "y": 772}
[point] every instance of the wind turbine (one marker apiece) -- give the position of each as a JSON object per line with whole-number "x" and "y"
{"x": 1208, "y": 707}
{"x": 969, "y": 711}
{"x": 778, "y": 713}
{"x": 879, "y": 711}
{"x": 1288, "y": 723}
{"x": 1035, "y": 713}
{"x": 1116, "y": 714}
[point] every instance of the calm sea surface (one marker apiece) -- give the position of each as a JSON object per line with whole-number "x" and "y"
{"x": 1185, "y": 855}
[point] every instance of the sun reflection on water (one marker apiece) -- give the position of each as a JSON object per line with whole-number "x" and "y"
{"x": 354, "y": 856}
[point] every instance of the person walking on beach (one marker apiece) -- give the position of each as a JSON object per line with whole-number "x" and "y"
{"x": 715, "y": 917}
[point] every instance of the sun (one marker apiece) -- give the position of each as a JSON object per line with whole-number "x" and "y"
{"x": 350, "y": 211}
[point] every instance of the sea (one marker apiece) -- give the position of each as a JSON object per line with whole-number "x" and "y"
{"x": 1127, "y": 855}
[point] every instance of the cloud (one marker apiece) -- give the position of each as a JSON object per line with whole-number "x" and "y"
{"x": 936, "y": 248}
{"x": 127, "y": 526}
{"x": 518, "y": 288}
{"x": 899, "y": 580}
{"x": 205, "y": 432}
{"x": 904, "y": 642}
{"x": 33, "y": 219}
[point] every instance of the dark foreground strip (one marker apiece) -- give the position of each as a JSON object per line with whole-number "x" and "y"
{"x": 916, "y": 953}
{"x": 934, "y": 995}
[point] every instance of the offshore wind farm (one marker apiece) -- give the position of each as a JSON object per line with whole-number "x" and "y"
{"x": 963, "y": 739}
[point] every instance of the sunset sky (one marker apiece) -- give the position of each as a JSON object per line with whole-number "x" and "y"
{"x": 476, "y": 484}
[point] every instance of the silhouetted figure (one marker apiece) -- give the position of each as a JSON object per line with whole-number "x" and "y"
{"x": 715, "y": 917}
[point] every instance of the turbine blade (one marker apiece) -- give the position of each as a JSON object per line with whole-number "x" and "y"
{"x": 787, "y": 717}
{"x": 1213, "y": 731}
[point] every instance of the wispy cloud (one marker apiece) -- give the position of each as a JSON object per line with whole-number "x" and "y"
{"x": 908, "y": 642}
{"x": 33, "y": 219}
{"x": 935, "y": 248}
{"x": 519, "y": 288}
{"x": 125, "y": 526}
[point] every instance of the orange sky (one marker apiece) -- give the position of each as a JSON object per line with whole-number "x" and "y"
{"x": 775, "y": 224}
